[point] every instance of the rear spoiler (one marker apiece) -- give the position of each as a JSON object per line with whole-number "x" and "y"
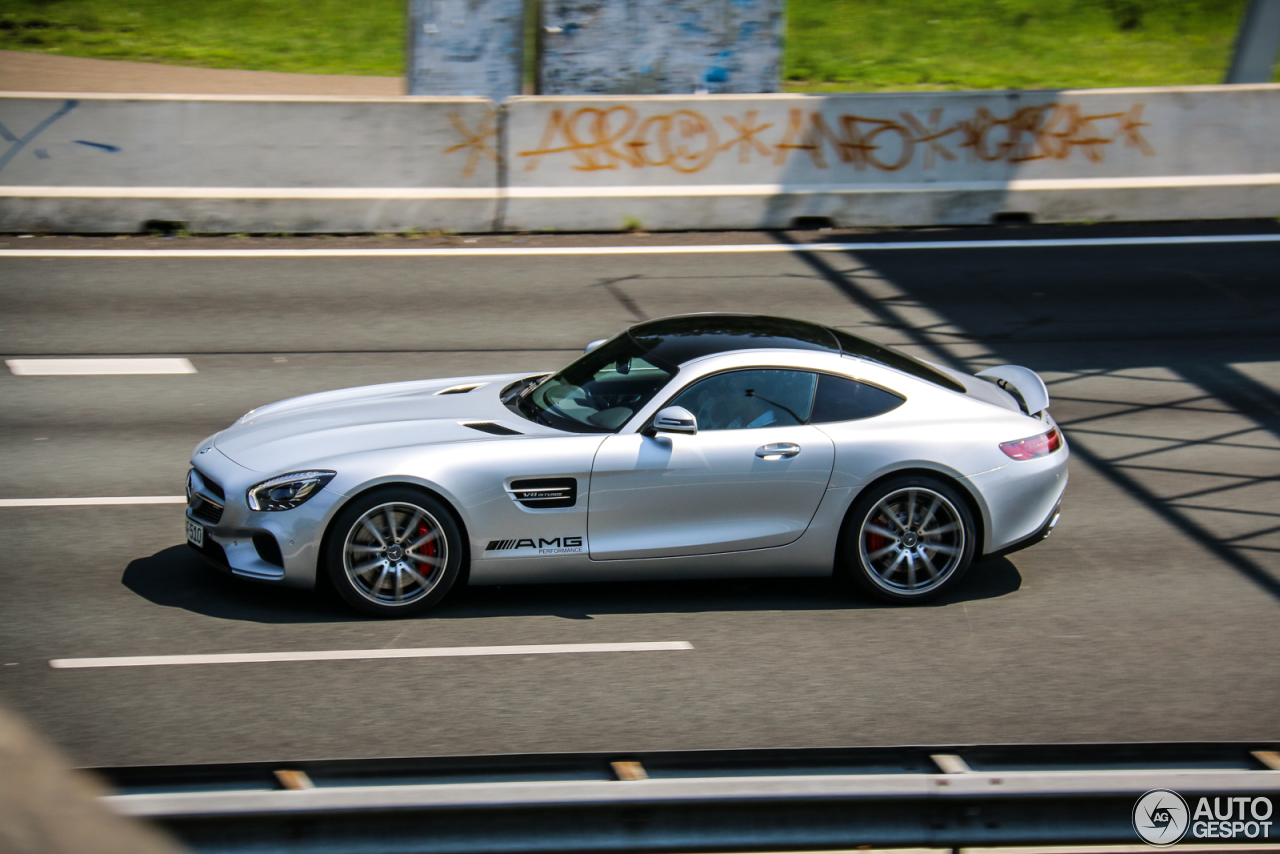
{"x": 1023, "y": 383}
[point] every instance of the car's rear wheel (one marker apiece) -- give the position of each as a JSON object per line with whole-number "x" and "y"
{"x": 393, "y": 552}
{"x": 908, "y": 539}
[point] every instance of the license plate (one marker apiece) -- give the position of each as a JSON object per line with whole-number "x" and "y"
{"x": 195, "y": 534}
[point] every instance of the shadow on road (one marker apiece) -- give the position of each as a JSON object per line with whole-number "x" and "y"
{"x": 1165, "y": 381}
{"x": 177, "y": 578}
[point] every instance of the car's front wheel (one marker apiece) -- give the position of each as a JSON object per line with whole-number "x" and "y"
{"x": 393, "y": 552}
{"x": 907, "y": 539}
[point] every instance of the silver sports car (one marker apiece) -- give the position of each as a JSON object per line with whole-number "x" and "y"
{"x": 709, "y": 445}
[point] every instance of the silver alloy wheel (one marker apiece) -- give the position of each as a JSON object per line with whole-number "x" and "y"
{"x": 395, "y": 554}
{"x": 912, "y": 541}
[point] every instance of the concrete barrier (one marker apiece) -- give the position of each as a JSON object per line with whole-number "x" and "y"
{"x": 110, "y": 164}
{"x": 87, "y": 163}
{"x": 954, "y": 158}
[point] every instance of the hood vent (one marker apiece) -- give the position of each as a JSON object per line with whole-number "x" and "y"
{"x": 460, "y": 389}
{"x": 491, "y": 427}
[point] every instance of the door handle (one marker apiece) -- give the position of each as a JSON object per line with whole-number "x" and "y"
{"x": 777, "y": 450}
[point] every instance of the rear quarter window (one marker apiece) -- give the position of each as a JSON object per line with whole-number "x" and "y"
{"x": 842, "y": 399}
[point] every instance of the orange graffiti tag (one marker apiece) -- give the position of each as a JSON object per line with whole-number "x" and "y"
{"x": 592, "y": 141}
{"x": 476, "y": 143}
{"x": 746, "y": 139}
{"x": 687, "y": 141}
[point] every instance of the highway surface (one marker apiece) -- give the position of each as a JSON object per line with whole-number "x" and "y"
{"x": 1153, "y": 613}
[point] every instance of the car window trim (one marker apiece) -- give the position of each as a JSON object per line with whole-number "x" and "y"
{"x": 648, "y": 422}
{"x": 884, "y": 388}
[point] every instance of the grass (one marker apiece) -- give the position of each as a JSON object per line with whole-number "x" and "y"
{"x": 832, "y": 45}
{"x": 875, "y": 45}
{"x": 315, "y": 36}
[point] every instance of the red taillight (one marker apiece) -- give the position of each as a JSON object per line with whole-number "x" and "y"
{"x": 1036, "y": 446}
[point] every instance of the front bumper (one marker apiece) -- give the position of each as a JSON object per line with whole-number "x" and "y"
{"x": 278, "y": 547}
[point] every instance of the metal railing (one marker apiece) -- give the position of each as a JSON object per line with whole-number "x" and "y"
{"x": 946, "y": 797}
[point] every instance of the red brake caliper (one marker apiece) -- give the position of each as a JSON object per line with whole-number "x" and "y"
{"x": 875, "y": 542}
{"x": 429, "y": 549}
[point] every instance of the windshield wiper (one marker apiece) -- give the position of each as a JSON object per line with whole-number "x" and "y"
{"x": 519, "y": 388}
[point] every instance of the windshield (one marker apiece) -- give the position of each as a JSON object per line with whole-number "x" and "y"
{"x": 599, "y": 392}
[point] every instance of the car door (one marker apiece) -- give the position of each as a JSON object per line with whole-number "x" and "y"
{"x": 751, "y": 477}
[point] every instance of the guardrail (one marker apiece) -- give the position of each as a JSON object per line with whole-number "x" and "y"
{"x": 954, "y": 796}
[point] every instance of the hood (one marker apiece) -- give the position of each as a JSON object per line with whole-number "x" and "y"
{"x": 307, "y": 431}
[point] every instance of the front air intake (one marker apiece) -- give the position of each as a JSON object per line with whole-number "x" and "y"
{"x": 211, "y": 485}
{"x": 491, "y": 427}
{"x": 206, "y": 509}
{"x": 268, "y": 548}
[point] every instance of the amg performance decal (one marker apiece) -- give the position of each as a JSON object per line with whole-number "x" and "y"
{"x": 553, "y": 546}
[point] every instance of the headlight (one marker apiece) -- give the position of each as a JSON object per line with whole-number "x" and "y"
{"x": 288, "y": 490}
{"x": 190, "y": 474}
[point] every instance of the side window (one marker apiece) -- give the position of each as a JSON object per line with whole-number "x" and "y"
{"x": 841, "y": 399}
{"x": 741, "y": 400}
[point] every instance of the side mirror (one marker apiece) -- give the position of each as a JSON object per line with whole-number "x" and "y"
{"x": 675, "y": 419}
{"x": 595, "y": 344}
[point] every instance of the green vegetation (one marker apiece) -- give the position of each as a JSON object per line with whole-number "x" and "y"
{"x": 832, "y": 45}
{"x": 872, "y": 45}
{"x": 316, "y": 36}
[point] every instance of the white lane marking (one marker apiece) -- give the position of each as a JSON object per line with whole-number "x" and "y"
{"x": 1015, "y": 185}
{"x": 237, "y": 193}
{"x": 87, "y": 502}
{"x": 1126, "y": 182}
{"x": 746, "y": 248}
{"x": 361, "y": 654}
{"x": 96, "y": 367}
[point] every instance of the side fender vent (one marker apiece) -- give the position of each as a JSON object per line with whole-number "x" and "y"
{"x": 491, "y": 427}
{"x": 545, "y": 493}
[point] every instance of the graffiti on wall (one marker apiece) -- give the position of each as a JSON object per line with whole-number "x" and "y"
{"x": 688, "y": 141}
{"x": 475, "y": 142}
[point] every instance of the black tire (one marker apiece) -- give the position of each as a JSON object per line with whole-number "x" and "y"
{"x": 410, "y": 546}
{"x": 896, "y": 535}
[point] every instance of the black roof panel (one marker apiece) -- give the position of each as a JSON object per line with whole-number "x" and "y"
{"x": 677, "y": 340}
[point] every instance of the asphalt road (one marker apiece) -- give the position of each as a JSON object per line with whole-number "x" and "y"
{"x": 1151, "y": 614}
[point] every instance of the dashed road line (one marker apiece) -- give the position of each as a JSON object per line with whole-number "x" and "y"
{"x": 89, "y": 502}
{"x": 97, "y": 367}
{"x": 365, "y": 654}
